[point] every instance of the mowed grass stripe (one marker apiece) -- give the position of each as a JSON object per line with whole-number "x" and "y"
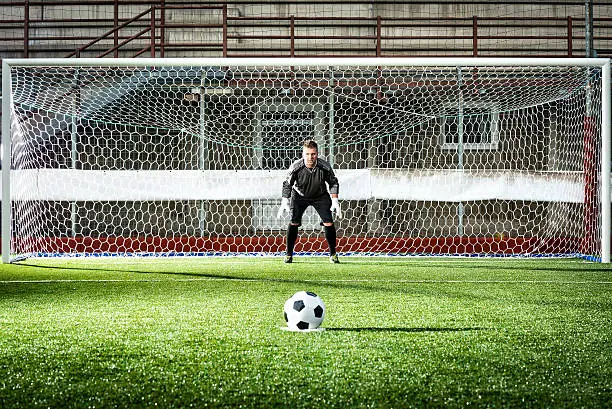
{"x": 545, "y": 282}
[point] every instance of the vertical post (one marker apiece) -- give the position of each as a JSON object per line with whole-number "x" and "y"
{"x": 589, "y": 187}
{"x": 203, "y": 149}
{"x": 73, "y": 145}
{"x": 378, "y": 36}
{"x": 332, "y": 101}
{"x": 606, "y": 145}
{"x": 225, "y": 30}
{"x": 162, "y": 29}
{"x": 588, "y": 28}
{"x": 152, "y": 31}
{"x": 475, "y": 36}
{"x": 26, "y": 29}
{"x": 589, "y": 241}
{"x": 6, "y": 162}
{"x": 115, "y": 25}
{"x": 292, "y": 36}
{"x": 460, "y": 146}
{"x": 379, "y": 95}
{"x": 570, "y": 36}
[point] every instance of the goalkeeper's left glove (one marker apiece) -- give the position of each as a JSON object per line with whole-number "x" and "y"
{"x": 284, "y": 207}
{"x": 335, "y": 207}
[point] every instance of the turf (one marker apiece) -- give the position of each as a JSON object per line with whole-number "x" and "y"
{"x": 400, "y": 332}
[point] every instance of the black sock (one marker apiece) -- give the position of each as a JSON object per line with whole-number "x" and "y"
{"x": 330, "y": 236}
{"x": 292, "y": 233}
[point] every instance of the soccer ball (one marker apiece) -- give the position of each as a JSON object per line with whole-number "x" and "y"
{"x": 304, "y": 311}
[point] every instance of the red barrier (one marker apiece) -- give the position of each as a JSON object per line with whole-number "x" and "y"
{"x": 383, "y": 245}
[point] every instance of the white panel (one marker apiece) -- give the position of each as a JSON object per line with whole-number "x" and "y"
{"x": 392, "y": 184}
{"x": 456, "y": 186}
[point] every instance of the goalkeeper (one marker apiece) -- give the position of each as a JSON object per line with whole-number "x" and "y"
{"x": 307, "y": 185}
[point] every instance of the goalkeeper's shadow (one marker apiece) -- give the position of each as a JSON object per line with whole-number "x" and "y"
{"x": 201, "y": 275}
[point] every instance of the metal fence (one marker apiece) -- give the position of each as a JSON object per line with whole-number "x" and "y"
{"x": 175, "y": 28}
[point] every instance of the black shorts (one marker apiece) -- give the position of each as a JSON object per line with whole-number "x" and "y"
{"x": 299, "y": 204}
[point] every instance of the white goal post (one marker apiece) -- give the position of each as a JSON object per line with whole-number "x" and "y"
{"x": 438, "y": 156}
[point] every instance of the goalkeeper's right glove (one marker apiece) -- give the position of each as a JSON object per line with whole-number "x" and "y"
{"x": 284, "y": 207}
{"x": 335, "y": 207}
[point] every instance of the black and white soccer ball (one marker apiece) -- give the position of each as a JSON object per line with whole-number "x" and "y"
{"x": 304, "y": 311}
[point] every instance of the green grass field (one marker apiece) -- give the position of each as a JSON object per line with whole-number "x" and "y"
{"x": 401, "y": 332}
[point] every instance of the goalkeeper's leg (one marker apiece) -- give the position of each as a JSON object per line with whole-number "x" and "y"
{"x": 298, "y": 207}
{"x": 292, "y": 233}
{"x": 322, "y": 206}
{"x": 330, "y": 236}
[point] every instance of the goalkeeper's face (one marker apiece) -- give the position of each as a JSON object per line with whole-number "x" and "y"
{"x": 310, "y": 156}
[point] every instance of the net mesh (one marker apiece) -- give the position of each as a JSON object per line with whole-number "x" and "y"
{"x": 442, "y": 160}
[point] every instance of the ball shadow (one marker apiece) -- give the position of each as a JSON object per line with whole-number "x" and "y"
{"x": 404, "y": 329}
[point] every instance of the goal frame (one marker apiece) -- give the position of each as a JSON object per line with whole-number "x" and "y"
{"x": 603, "y": 63}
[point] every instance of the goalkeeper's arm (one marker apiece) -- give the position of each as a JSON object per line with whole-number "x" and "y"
{"x": 286, "y": 193}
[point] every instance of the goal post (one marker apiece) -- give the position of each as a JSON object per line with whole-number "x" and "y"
{"x": 466, "y": 157}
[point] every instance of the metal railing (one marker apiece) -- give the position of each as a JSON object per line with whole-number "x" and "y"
{"x": 149, "y": 32}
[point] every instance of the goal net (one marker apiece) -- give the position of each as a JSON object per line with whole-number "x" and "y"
{"x": 469, "y": 157}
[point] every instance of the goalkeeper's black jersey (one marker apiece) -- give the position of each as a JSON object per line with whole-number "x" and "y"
{"x": 310, "y": 182}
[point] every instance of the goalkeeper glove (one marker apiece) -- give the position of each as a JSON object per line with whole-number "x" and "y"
{"x": 284, "y": 207}
{"x": 335, "y": 207}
